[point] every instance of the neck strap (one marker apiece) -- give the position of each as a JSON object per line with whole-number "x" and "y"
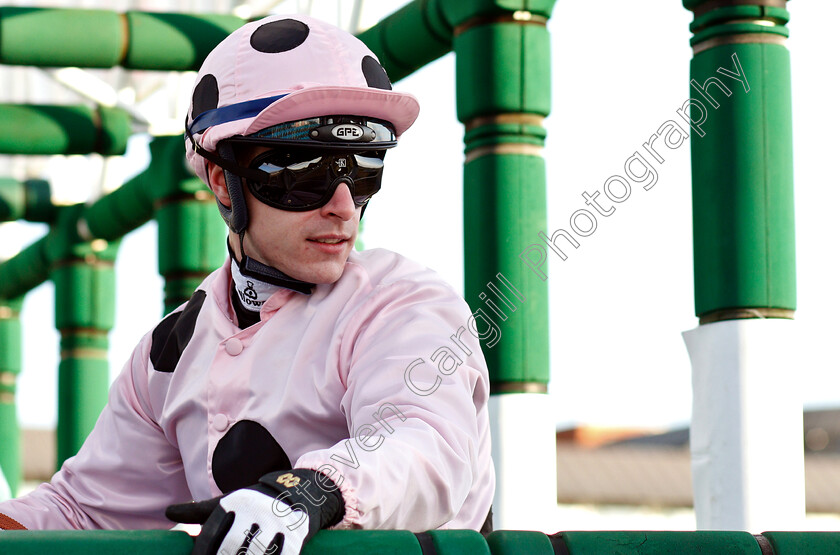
{"x": 257, "y": 270}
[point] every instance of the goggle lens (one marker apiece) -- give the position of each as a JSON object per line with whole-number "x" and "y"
{"x": 305, "y": 180}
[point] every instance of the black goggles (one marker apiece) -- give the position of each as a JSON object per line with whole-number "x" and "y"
{"x": 306, "y": 179}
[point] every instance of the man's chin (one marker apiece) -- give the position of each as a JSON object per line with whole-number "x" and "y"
{"x": 322, "y": 276}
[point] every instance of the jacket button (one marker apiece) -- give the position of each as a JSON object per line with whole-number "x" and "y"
{"x": 220, "y": 422}
{"x": 233, "y": 347}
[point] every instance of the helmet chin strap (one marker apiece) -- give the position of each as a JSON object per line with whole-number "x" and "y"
{"x": 257, "y": 270}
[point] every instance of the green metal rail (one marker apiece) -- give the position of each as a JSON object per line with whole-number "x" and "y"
{"x": 28, "y": 200}
{"x": 410, "y": 38}
{"x": 445, "y": 542}
{"x": 404, "y": 41}
{"x": 104, "y": 39}
{"x": 39, "y": 129}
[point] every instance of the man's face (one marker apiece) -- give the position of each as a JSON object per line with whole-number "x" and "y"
{"x": 311, "y": 246}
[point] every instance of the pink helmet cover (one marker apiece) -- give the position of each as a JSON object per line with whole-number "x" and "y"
{"x": 319, "y": 69}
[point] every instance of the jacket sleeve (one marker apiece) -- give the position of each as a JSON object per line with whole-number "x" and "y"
{"x": 415, "y": 405}
{"x": 125, "y": 474}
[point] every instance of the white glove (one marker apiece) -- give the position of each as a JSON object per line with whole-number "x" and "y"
{"x": 276, "y": 516}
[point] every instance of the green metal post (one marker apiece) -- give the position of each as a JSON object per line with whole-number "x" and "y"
{"x": 745, "y": 394}
{"x": 502, "y": 72}
{"x": 83, "y": 274}
{"x": 102, "y": 38}
{"x": 503, "y": 93}
{"x": 742, "y": 162}
{"x": 10, "y": 366}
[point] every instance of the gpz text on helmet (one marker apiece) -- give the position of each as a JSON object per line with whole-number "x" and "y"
{"x": 347, "y": 131}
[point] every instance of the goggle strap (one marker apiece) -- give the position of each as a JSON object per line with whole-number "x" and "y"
{"x": 238, "y": 212}
{"x": 253, "y": 174}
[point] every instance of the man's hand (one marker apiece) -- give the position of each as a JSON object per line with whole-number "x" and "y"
{"x": 276, "y": 516}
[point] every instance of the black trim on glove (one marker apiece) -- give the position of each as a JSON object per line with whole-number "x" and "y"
{"x": 305, "y": 489}
{"x": 298, "y": 489}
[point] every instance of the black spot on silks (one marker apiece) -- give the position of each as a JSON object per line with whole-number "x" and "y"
{"x": 279, "y": 36}
{"x": 245, "y": 454}
{"x": 205, "y": 96}
{"x": 375, "y": 74}
{"x": 487, "y": 527}
{"x": 427, "y": 543}
{"x": 172, "y": 335}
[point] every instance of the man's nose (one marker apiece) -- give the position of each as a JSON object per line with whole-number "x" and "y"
{"x": 341, "y": 203}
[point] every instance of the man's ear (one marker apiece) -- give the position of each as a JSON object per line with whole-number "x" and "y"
{"x": 216, "y": 176}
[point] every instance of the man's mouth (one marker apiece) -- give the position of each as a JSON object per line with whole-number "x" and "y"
{"x": 329, "y": 240}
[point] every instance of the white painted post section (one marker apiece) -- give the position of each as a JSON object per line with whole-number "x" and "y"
{"x": 747, "y": 451}
{"x": 5, "y": 492}
{"x": 525, "y": 455}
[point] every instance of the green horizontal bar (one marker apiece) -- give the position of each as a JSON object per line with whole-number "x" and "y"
{"x": 363, "y": 542}
{"x": 661, "y": 543}
{"x": 29, "y": 200}
{"x": 159, "y": 542}
{"x": 174, "y": 41}
{"x": 122, "y": 210}
{"x": 446, "y": 542}
{"x": 47, "y": 129}
{"x": 61, "y": 37}
{"x": 133, "y": 204}
{"x": 410, "y": 38}
{"x": 459, "y": 542}
{"x": 796, "y": 543}
{"x": 25, "y": 271}
{"x": 458, "y": 13}
{"x": 87, "y": 542}
{"x": 509, "y": 542}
